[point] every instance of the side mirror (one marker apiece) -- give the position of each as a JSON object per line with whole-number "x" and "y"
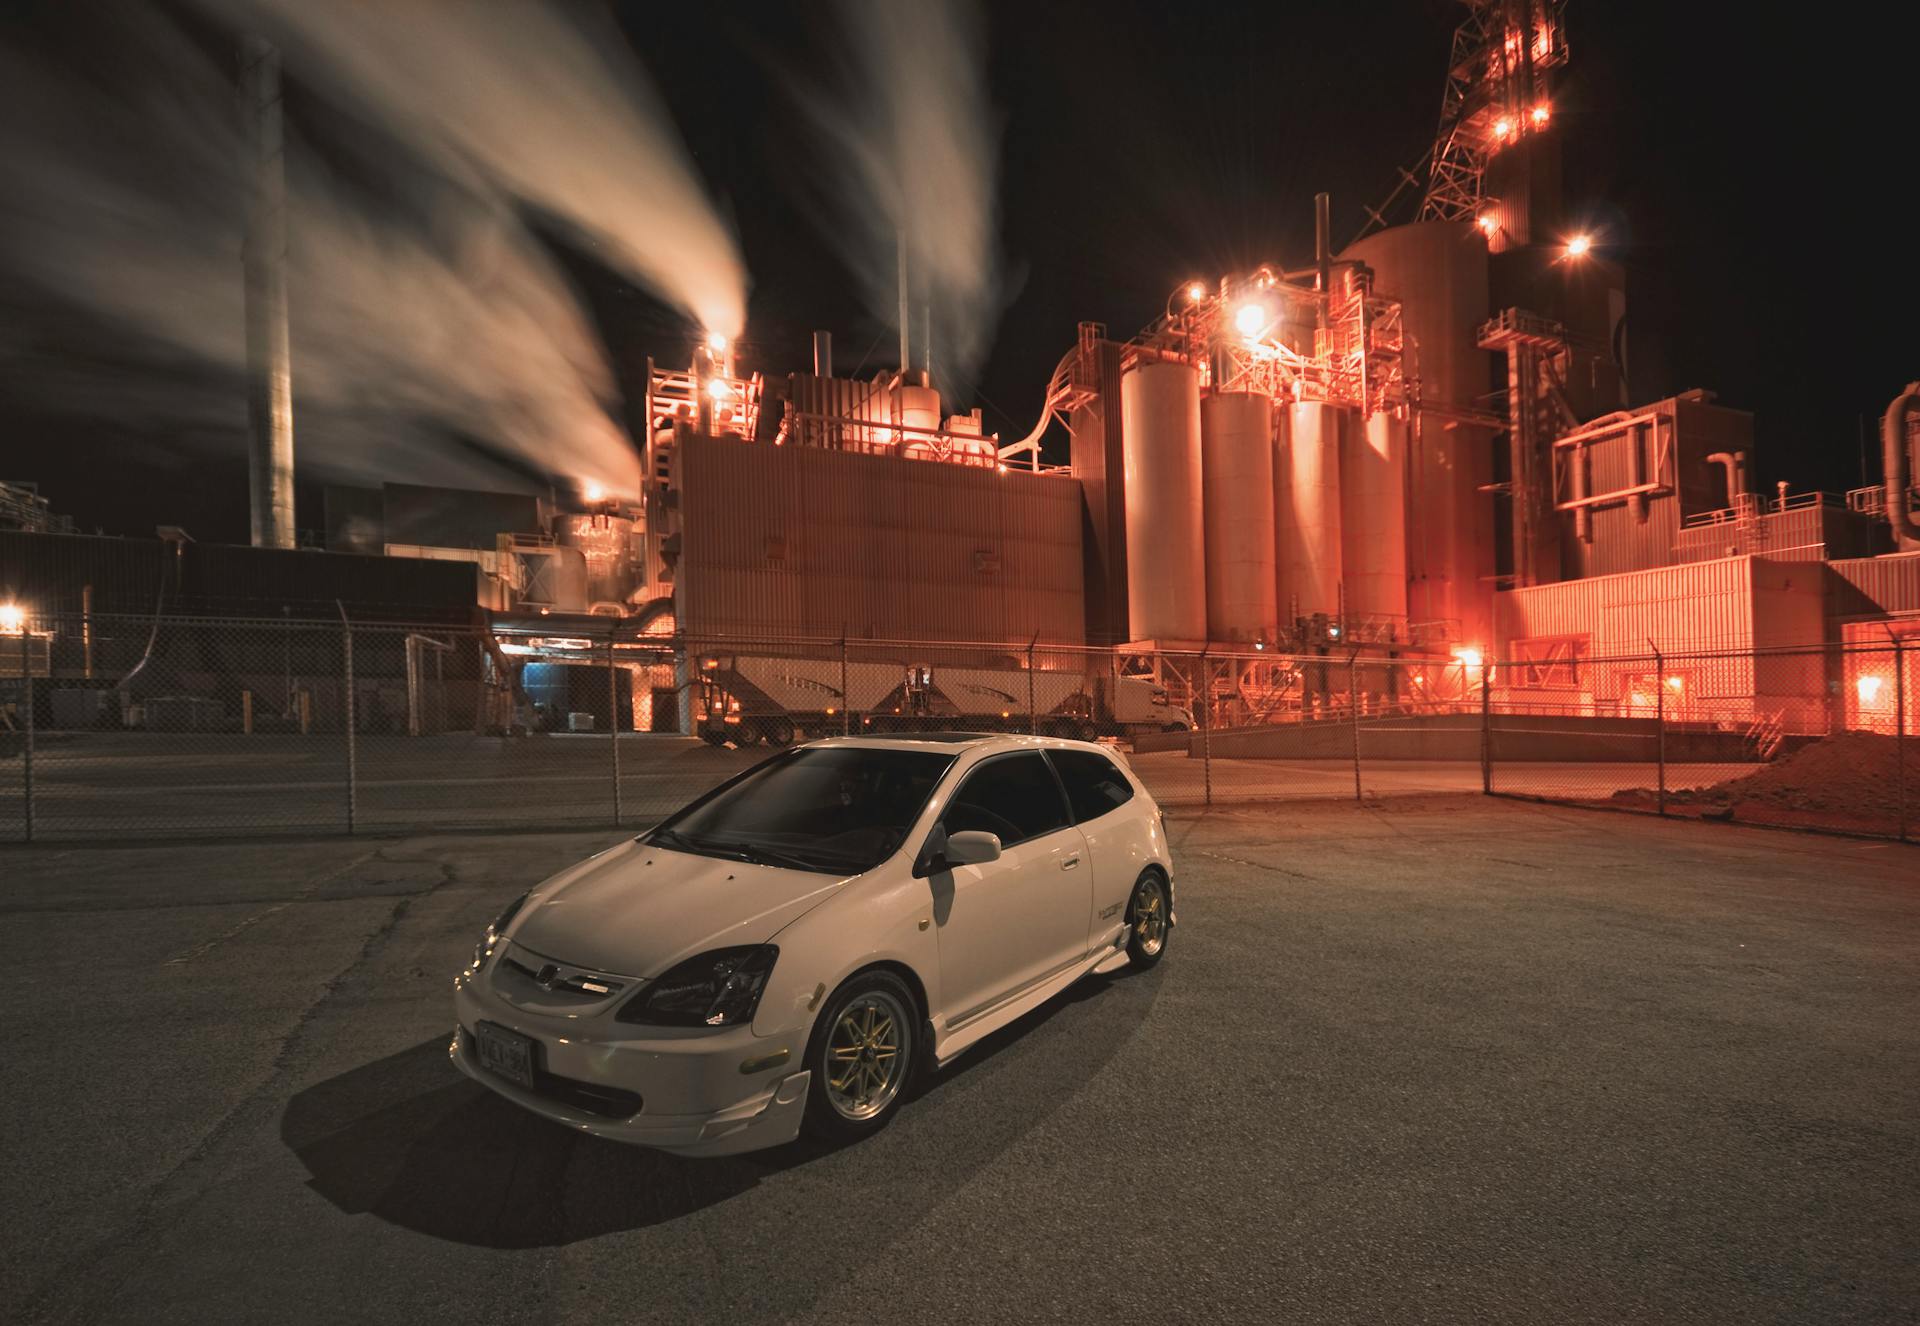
{"x": 972, "y": 848}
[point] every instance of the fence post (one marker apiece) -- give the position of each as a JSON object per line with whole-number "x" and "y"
{"x": 1203, "y": 714}
{"x": 1899, "y": 726}
{"x": 846, "y": 700}
{"x": 1033, "y": 716}
{"x": 1486, "y": 727}
{"x": 1353, "y": 709}
{"x": 613, "y": 719}
{"x": 353, "y": 765}
{"x": 26, "y": 753}
{"x": 1660, "y": 722}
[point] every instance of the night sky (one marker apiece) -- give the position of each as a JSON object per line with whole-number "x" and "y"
{"x": 1723, "y": 157}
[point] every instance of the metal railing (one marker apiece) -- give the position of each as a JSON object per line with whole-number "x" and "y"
{"x": 138, "y": 727}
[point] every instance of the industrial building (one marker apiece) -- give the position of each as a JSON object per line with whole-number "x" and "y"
{"x": 1417, "y": 450}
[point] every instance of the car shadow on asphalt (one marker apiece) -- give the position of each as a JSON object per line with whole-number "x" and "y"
{"x": 411, "y": 1141}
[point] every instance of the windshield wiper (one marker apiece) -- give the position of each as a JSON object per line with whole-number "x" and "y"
{"x": 751, "y": 853}
{"x": 763, "y": 856}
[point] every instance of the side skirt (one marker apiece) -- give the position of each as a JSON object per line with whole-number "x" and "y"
{"x": 958, "y": 1040}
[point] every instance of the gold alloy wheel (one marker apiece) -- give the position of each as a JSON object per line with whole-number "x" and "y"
{"x": 1150, "y": 915}
{"x": 867, "y": 1055}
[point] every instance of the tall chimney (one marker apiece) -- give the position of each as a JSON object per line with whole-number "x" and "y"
{"x": 823, "y": 354}
{"x": 906, "y": 310}
{"x": 269, "y": 371}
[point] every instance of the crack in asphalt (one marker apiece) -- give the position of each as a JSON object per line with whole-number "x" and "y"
{"x": 66, "y": 1288}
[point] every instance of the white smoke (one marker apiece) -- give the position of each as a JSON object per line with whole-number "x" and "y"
{"x": 127, "y": 202}
{"x": 551, "y": 109}
{"x": 913, "y": 151}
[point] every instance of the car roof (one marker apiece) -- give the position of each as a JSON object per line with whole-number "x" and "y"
{"x": 922, "y": 740}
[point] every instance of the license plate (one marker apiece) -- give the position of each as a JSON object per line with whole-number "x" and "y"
{"x": 506, "y": 1053}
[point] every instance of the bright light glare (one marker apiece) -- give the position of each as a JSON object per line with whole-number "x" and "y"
{"x": 1468, "y": 657}
{"x": 716, "y": 342}
{"x": 1196, "y": 291}
{"x": 1487, "y": 222}
{"x": 592, "y": 491}
{"x": 1579, "y": 246}
{"x": 1540, "y": 114}
{"x": 1503, "y": 127}
{"x": 1868, "y": 688}
{"x": 719, "y": 389}
{"x": 13, "y": 619}
{"x": 1251, "y": 319}
{"x": 1677, "y": 683}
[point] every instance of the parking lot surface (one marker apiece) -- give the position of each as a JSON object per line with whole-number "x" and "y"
{"x": 1422, "y": 1060}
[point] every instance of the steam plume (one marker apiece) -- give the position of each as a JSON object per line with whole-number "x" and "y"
{"x": 445, "y": 317}
{"x": 550, "y": 109}
{"x": 913, "y": 151}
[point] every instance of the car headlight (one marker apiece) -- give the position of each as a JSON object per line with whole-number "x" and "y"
{"x": 717, "y": 989}
{"x": 496, "y": 929}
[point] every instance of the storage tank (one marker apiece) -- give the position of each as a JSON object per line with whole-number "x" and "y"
{"x": 1373, "y": 516}
{"x": 1306, "y": 500}
{"x": 1166, "y": 557}
{"x": 1236, "y": 466}
{"x": 1438, "y": 272}
{"x": 607, "y": 543}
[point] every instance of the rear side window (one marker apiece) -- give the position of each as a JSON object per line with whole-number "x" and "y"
{"x": 1094, "y": 786}
{"x": 1014, "y": 798}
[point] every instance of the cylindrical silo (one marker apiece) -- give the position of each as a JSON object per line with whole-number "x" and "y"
{"x": 1236, "y": 466}
{"x": 1306, "y": 489}
{"x": 607, "y": 543}
{"x": 1438, "y": 272}
{"x": 1166, "y": 558}
{"x": 1373, "y": 516}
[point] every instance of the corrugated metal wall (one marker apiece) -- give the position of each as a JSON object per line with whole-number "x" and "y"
{"x": 1873, "y": 586}
{"x": 1703, "y": 605}
{"x": 808, "y": 542}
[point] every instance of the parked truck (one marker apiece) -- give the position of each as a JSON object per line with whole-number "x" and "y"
{"x": 751, "y": 699}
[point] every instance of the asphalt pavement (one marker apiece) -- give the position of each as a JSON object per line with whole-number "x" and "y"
{"x": 1422, "y": 1060}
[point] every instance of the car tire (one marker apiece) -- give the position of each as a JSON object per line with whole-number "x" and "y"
{"x": 855, "y": 1088}
{"x": 1149, "y": 920}
{"x": 777, "y": 732}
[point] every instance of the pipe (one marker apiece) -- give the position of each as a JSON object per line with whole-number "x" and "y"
{"x": 1323, "y": 251}
{"x": 269, "y": 369}
{"x": 1732, "y": 460}
{"x": 823, "y": 354}
{"x": 1893, "y": 455}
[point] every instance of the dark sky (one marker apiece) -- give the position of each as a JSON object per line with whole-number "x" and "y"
{"x": 1725, "y": 157}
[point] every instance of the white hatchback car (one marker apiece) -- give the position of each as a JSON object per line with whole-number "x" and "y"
{"x": 799, "y": 942}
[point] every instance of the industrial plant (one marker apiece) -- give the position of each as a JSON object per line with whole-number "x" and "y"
{"x": 1417, "y": 455}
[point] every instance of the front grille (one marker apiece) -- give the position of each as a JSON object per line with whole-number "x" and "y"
{"x": 585, "y": 985}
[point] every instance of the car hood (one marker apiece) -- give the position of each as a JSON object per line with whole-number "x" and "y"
{"x": 635, "y": 910}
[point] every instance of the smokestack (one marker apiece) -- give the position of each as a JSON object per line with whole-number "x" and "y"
{"x": 906, "y": 307}
{"x": 269, "y": 368}
{"x": 823, "y": 354}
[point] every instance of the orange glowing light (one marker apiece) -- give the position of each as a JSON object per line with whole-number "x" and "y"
{"x": 1468, "y": 658}
{"x": 1539, "y": 114}
{"x": 1196, "y": 292}
{"x": 13, "y": 619}
{"x": 1868, "y": 689}
{"x": 1503, "y": 128}
{"x": 1251, "y": 319}
{"x": 1579, "y": 246}
{"x": 716, "y": 342}
{"x": 593, "y": 492}
{"x": 1677, "y": 683}
{"x": 1487, "y": 222}
{"x": 719, "y": 389}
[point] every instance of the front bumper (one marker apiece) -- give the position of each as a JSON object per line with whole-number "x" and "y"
{"x": 694, "y": 1100}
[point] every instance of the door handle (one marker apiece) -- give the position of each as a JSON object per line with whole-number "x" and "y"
{"x": 1070, "y": 862}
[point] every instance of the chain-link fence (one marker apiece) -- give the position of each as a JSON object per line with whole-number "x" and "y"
{"x": 137, "y": 726}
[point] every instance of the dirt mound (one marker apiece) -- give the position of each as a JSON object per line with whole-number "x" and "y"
{"x": 1852, "y": 773}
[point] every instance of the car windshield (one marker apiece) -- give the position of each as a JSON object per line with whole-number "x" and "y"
{"x": 837, "y": 809}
